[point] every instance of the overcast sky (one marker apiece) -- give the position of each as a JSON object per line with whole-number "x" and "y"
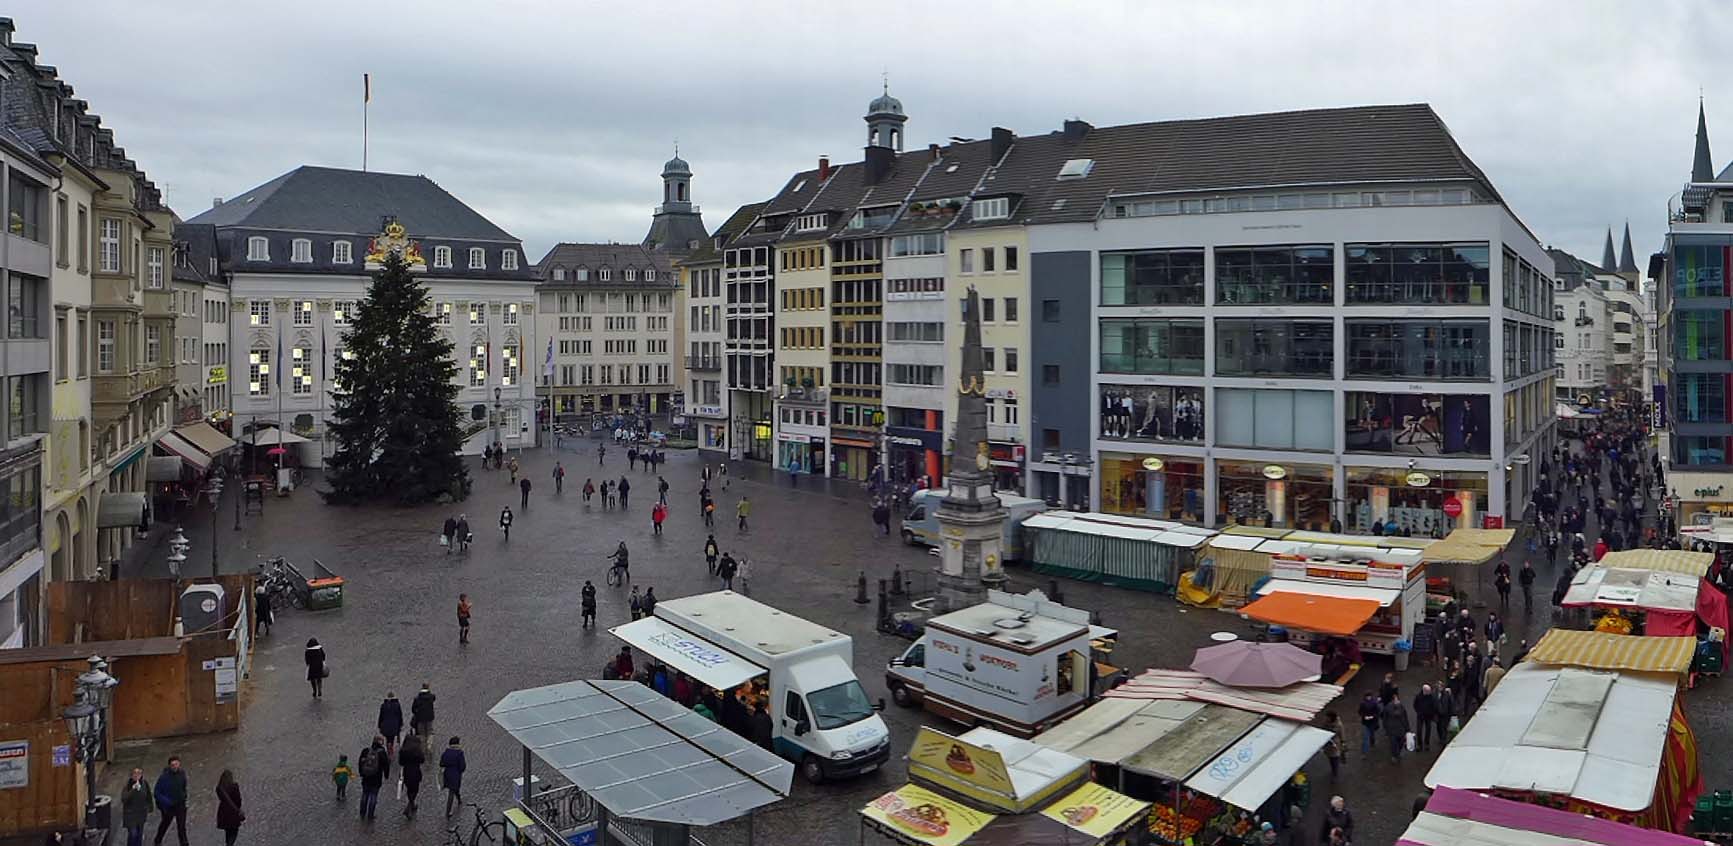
{"x": 553, "y": 118}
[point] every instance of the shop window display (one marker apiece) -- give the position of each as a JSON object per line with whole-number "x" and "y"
{"x": 1414, "y": 503}
{"x": 1152, "y": 486}
{"x": 1151, "y": 413}
{"x": 1418, "y": 424}
{"x": 1291, "y": 496}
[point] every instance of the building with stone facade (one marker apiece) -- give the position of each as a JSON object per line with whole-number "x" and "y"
{"x": 700, "y": 275}
{"x": 297, "y": 254}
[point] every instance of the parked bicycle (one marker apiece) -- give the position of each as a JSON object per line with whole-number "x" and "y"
{"x": 485, "y": 830}
{"x": 279, "y": 583}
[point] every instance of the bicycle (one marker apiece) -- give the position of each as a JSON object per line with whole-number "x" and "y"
{"x": 483, "y": 828}
{"x": 618, "y": 574}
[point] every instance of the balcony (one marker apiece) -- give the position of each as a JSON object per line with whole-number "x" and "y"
{"x": 1009, "y": 432}
{"x": 703, "y": 362}
{"x": 806, "y": 396}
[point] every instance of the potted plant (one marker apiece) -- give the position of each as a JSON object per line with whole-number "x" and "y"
{"x": 916, "y": 208}
{"x": 806, "y": 383}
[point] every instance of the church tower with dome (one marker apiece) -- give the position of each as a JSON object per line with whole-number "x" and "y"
{"x": 678, "y": 226}
{"x": 885, "y": 119}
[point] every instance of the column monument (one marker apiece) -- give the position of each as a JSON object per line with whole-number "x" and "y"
{"x": 971, "y": 519}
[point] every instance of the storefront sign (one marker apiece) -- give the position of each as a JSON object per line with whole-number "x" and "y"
{"x": 1491, "y": 521}
{"x": 1152, "y": 463}
{"x": 1002, "y": 393}
{"x": 14, "y": 764}
{"x": 910, "y": 436}
{"x": 1275, "y": 471}
{"x": 707, "y": 410}
{"x": 1705, "y": 493}
{"x": 1453, "y": 508}
{"x": 1658, "y": 414}
{"x": 217, "y": 376}
{"x": 1417, "y": 479}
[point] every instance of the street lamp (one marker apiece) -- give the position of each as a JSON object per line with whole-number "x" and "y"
{"x": 496, "y": 440}
{"x": 86, "y": 722}
{"x": 214, "y": 490}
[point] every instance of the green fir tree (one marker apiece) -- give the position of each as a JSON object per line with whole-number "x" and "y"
{"x": 397, "y": 424}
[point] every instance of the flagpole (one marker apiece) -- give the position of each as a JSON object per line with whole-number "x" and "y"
{"x": 366, "y": 98}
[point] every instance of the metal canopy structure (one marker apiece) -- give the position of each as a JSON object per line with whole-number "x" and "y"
{"x": 643, "y": 756}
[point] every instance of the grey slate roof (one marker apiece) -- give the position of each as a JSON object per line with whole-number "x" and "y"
{"x": 196, "y": 245}
{"x": 615, "y": 257}
{"x": 675, "y": 232}
{"x": 325, "y": 199}
{"x": 727, "y": 232}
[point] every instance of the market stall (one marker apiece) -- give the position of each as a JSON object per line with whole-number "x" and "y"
{"x": 1602, "y": 651}
{"x": 1625, "y": 601}
{"x": 1458, "y": 817}
{"x": 1460, "y": 550}
{"x": 1124, "y": 551}
{"x": 1232, "y": 563}
{"x": 1609, "y": 744}
{"x": 1376, "y": 597}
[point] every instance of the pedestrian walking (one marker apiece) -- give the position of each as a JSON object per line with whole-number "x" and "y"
{"x": 374, "y": 764}
{"x": 726, "y": 570}
{"x": 229, "y": 813}
{"x": 341, "y": 774}
{"x": 742, "y": 511}
{"x": 662, "y": 490}
{"x": 135, "y": 807}
{"x": 625, "y": 488}
{"x": 390, "y": 721}
{"x": 262, "y": 617}
{"x": 1369, "y": 712}
{"x": 631, "y": 458}
{"x": 1446, "y": 712}
{"x": 1337, "y": 819}
{"x": 636, "y": 604}
{"x": 882, "y": 517}
{"x": 505, "y": 520}
{"x": 524, "y": 485}
{"x": 1502, "y": 583}
{"x": 709, "y": 513}
{"x": 171, "y": 800}
{"x": 410, "y": 759}
{"x": 649, "y": 601}
{"x": 589, "y": 605}
{"x": 743, "y": 573}
{"x": 1396, "y": 724}
{"x": 710, "y": 553}
{"x": 589, "y": 491}
{"x": 601, "y": 454}
{"x": 1333, "y": 746}
{"x": 762, "y": 727}
{"x": 559, "y": 478}
{"x": 447, "y": 533}
{"x": 421, "y": 711}
{"x": 1526, "y": 579}
{"x": 451, "y": 767}
{"x": 463, "y": 612}
{"x": 1425, "y": 716}
{"x": 658, "y": 513}
{"x": 723, "y": 469}
{"x": 513, "y": 468}
{"x": 316, "y": 672}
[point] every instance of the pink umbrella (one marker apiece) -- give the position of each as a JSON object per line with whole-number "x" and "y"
{"x": 1246, "y": 664}
{"x": 275, "y": 451}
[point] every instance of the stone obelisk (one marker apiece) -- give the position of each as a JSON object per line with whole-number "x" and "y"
{"x": 971, "y": 518}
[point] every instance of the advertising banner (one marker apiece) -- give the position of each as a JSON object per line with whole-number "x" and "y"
{"x": 925, "y": 816}
{"x": 1418, "y": 424}
{"x": 1095, "y": 810}
{"x": 1152, "y": 413}
{"x": 974, "y": 771}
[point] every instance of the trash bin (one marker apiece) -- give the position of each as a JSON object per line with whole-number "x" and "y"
{"x": 1401, "y": 661}
{"x": 100, "y": 814}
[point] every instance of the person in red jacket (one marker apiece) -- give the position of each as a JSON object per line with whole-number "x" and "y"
{"x": 1600, "y": 549}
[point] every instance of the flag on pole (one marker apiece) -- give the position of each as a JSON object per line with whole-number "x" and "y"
{"x": 367, "y": 88}
{"x": 277, "y": 375}
{"x": 323, "y": 354}
{"x": 548, "y": 369}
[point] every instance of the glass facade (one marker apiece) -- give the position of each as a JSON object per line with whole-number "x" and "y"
{"x": 1387, "y": 498}
{"x": 1699, "y": 335}
{"x": 1272, "y": 275}
{"x": 1417, "y": 274}
{"x": 1275, "y": 419}
{"x": 1699, "y": 271}
{"x": 1152, "y": 486}
{"x": 1275, "y": 347}
{"x": 1292, "y": 496}
{"x": 1419, "y": 349}
{"x": 1700, "y": 449}
{"x": 1152, "y": 346}
{"x": 1154, "y": 277}
{"x": 1700, "y": 397}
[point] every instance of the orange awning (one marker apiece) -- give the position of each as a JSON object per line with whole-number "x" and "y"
{"x": 1322, "y": 614}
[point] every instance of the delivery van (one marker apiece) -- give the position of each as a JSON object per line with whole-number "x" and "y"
{"x": 921, "y": 523}
{"x": 820, "y": 715}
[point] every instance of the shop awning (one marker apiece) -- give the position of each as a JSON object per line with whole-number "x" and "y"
{"x": 163, "y": 468}
{"x": 123, "y": 511}
{"x": 275, "y": 437}
{"x": 1309, "y": 612}
{"x": 206, "y": 437}
{"x": 923, "y": 816}
{"x": 1603, "y": 651}
{"x": 1184, "y": 752}
{"x": 1249, "y": 772}
{"x": 1383, "y": 596}
{"x": 1661, "y": 561}
{"x": 1645, "y": 589}
{"x": 1112, "y": 730}
{"x": 698, "y": 658}
{"x": 1465, "y": 818}
{"x": 187, "y": 452}
{"x": 1468, "y": 546}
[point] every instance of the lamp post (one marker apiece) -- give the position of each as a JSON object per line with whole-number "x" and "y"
{"x": 496, "y": 440}
{"x": 87, "y": 722}
{"x": 214, "y": 490}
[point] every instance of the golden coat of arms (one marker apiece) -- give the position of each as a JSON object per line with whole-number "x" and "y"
{"x": 394, "y": 240}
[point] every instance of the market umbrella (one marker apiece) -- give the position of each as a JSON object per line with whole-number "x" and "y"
{"x": 277, "y": 450}
{"x": 1246, "y": 664}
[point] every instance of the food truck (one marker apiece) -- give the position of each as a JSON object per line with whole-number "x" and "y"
{"x": 821, "y": 716}
{"x": 921, "y": 522}
{"x": 1020, "y": 663}
{"x": 1376, "y": 601}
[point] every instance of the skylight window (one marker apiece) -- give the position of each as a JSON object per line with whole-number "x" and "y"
{"x": 952, "y": 168}
{"x": 799, "y": 185}
{"x": 1076, "y": 168}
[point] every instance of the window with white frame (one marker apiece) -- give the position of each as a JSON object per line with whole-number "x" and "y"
{"x": 259, "y": 312}
{"x": 478, "y": 366}
{"x": 108, "y": 259}
{"x": 152, "y": 344}
{"x": 259, "y": 373}
{"x": 811, "y": 222}
{"x": 441, "y": 256}
{"x": 153, "y": 268}
{"x": 559, "y": 274}
{"x": 511, "y": 314}
{"x": 343, "y": 312}
{"x": 603, "y": 274}
{"x": 105, "y": 335}
{"x": 304, "y": 313}
{"x": 508, "y": 260}
{"x": 442, "y": 314}
{"x": 650, "y": 275}
{"x": 342, "y": 252}
{"x": 301, "y": 370}
{"x": 476, "y": 312}
{"x": 510, "y": 359}
{"x": 996, "y": 208}
{"x": 477, "y": 258}
{"x": 301, "y": 251}
{"x": 582, "y": 274}
{"x": 631, "y": 274}
{"x": 258, "y": 249}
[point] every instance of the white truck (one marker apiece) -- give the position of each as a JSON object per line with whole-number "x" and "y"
{"x": 921, "y": 523}
{"x": 1018, "y": 663}
{"x": 821, "y": 717}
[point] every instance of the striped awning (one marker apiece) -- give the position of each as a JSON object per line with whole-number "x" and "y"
{"x": 1661, "y": 561}
{"x": 1603, "y": 651}
{"x": 1469, "y": 546}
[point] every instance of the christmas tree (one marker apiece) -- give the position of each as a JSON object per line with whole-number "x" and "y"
{"x": 397, "y": 424}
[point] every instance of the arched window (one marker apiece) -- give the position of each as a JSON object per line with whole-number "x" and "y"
{"x": 258, "y": 249}
{"x": 441, "y": 256}
{"x": 301, "y": 250}
{"x": 477, "y": 258}
{"x": 603, "y": 274}
{"x": 681, "y": 190}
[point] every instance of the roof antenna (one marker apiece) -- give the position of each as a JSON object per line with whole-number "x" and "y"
{"x": 676, "y": 146}
{"x": 886, "y": 75}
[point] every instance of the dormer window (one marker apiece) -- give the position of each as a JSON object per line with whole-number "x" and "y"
{"x": 997, "y": 208}
{"x": 650, "y": 275}
{"x": 582, "y": 274}
{"x": 477, "y": 258}
{"x": 603, "y": 274}
{"x": 442, "y": 257}
{"x": 559, "y": 274}
{"x": 508, "y": 260}
{"x": 631, "y": 275}
{"x": 1076, "y": 168}
{"x": 810, "y": 222}
{"x": 258, "y": 249}
{"x": 301, "y": 251}
{"x": 341, "y": 252}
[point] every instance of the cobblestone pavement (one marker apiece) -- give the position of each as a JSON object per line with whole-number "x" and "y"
{"x": 807, "y": 545}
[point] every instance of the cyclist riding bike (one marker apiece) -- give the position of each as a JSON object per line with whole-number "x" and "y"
{"x": 621, "y": 572}
{"x": 505, "y": 521}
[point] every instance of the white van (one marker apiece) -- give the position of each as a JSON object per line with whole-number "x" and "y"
{"x": 821, "y": 716}
{"x": 921, "y": 523}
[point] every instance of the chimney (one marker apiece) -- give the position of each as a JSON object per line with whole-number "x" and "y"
{"x": 216, "y": 201}
{"x": 1076, "y": 129}
{"x": 1002, "y": 139}
{"x": 933, "y": 151}
{"x": 823, "y": 168}
{"x": 879, "y": 161}
{"x": 6, "y": 29}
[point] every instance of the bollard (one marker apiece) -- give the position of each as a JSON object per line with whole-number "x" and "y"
{"x": 1053, "y": 592}
{"x": 897, "y": 580}
{"x": 860, "y": 597}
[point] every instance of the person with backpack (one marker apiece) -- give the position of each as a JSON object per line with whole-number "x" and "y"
{"x": 421, "y": 711}
{"x": 451, "y": 767}
{"x": 711, "y": 551}
{"x": 649, "y": 601}
{"x": 374, "y": 765}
